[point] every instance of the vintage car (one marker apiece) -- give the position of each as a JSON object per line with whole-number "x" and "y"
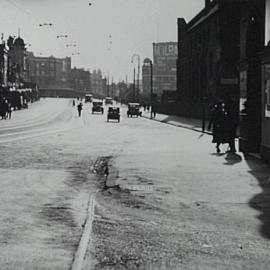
{"x": 88, "y": 98}
{"x": 108, "y": 100}
{"x": 97, "y": 107}
{"x": 134, "y": 109}
{"x": 113, "y": 113}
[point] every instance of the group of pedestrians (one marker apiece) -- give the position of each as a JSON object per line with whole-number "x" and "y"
{"x": 223, "y": 121}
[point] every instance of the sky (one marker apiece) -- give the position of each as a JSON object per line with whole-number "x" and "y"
{"x": 106, "y": 33}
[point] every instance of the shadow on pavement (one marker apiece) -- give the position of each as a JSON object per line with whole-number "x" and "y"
{"x": 190, "y": 123}
{"x": 218, "y": 154}
{"x": 232, "y": 159}
{"x": 261, "y": 201}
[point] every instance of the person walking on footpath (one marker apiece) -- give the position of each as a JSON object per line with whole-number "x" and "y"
{"x": 231, "y": 122}
{"x": 217, "y": 120}
{"x": 79, "y": 107}
{"x": 9, "y": 110}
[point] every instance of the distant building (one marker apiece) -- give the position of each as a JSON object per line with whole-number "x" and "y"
{"x": 80, "y": 80}
{"x": 146, "y": 79}
{"x": 164, "y": 67}
{"x": 97, "y": 83}
{"x": 51, "y": 74}
{"x": 3, "y": 65}
{"x": 16, "y": 73}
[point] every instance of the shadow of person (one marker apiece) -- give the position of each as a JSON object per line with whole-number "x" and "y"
{"x": 217, "y": 154}
{"x": 261, "y": 201}
{"x": 232, "y": 159}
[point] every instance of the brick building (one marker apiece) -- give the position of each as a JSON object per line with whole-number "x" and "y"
{"x": 51, "y": 74}
{"x": 209, "y": 51}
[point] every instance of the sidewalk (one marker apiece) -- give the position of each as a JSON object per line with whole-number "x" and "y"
{"x": 178, "y": 121}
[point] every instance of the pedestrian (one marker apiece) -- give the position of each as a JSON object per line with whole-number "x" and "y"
{"x": 217, "y": 120}
{"x": 231, "y": 122}
{"x": 79, "y": 107}
{"x": 153, "y": 108}
{"x": 73, "y": 103}
{"x": 144, "y": 106}
{"x": 9, "y": 110}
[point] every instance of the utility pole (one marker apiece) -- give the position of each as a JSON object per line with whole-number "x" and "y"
{"x": 108, "y": 86}
{"x": 138, "y": 79}
{"x": 134, "y": 84}
{"x": 151, "y": 88}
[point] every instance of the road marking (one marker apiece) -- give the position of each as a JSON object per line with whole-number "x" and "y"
{"x": 86, "y": 235}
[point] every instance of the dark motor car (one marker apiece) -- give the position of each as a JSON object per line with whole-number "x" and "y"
{"x": 97, "y": 107}
{"x": 113, "y": 113}
{"x": 108, "y": 100}
{"x": 134, "y": 109}
{"x": 88, "y": 98}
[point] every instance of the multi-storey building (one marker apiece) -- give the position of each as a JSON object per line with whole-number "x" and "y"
{"x": 51, "y": 74}
{"x": 164, "y": 67}
{"x": 80, "y": 80}
{"x": 97, "y": 84}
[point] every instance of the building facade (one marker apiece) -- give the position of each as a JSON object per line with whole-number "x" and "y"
{"x": 51, "y": 74}
{"x": 164, "y": 67}
{"x": 252, "y": 43}
{"x": 207, "y": 65}
{"x": 16, "y": 72}
{"x": 3, "y": 64}
{"x": 80, "y": 80}
{"x": 97, "y": 84}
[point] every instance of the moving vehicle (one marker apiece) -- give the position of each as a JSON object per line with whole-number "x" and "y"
{"x": 134, "y": 109}
{"x": 113, "y": 113}
{"x": 97, "y": 107}
{"x": 108, "y": 100}
{"x": 88, "y": 98}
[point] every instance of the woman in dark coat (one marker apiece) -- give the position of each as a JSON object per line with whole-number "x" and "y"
{"x": 217, "y": 120}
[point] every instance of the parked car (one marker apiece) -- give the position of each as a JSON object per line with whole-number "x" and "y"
{"x": 88, "y": 98}
{"x": 108, "y": 100}
{"x": 113, "y": 113}
{"x": 97, "y": 107}
{"x": 134, "y": 109}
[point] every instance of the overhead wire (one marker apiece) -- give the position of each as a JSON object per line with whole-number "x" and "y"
{"x": 51, "y": 36}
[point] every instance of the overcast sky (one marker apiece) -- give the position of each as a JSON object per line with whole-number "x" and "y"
{"x": 107, "y": 33}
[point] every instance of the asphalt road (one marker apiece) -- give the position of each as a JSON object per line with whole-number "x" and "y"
{"x": 168, "y": 202}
